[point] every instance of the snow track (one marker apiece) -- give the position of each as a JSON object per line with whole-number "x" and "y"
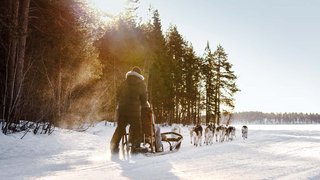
{"x": 270, "y": 152}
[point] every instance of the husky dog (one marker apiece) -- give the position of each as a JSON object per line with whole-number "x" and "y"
{"x": 196, "y": 135}
{"x": 244, "y": 132}
{"x": 209, "y": 134}
{"x": 220, "y": 133}
{"x": 230, "y": 133}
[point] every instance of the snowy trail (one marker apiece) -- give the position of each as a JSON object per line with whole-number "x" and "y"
{"x": 270, "y": 152}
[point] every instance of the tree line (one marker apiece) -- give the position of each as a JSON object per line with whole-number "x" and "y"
{"x": 275, "y": 118}
{"x": 61, "y": 65}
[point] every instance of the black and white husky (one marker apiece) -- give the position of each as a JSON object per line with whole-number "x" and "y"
{"x": 230, "y": 133}
{"x": 209, "y": 134}
{"x": 220, "y": 133}
{"x": 244, "y": 132}
{"x": 196, "y": 135}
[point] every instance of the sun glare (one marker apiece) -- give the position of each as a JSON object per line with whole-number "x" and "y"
{"x": 110, "y": 7}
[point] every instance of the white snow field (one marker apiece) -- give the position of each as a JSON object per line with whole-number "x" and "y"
{"x": 270, "y": 152}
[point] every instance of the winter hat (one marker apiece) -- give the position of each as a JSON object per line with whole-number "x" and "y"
{"x": 136, "y": 69}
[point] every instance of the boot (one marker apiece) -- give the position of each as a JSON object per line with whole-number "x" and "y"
{"x": 137, "y": 150}
{"x": 114, "y": 149}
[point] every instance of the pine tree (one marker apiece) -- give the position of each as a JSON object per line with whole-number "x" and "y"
{"x": 225, "y": 86}
{"x": 192, "y": 83}
{"x": 208, "y": 72}
{"x": 175, "y": 45}
{"x": 159, "y": 83}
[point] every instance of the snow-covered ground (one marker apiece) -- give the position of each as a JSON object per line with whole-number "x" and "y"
{"x": 270, "y": 152}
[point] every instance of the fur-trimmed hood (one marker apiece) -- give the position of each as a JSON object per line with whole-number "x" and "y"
{"x": 132, "y": 95}
{"x": 133, "y": 73}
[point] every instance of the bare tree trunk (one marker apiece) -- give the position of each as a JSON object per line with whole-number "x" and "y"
{"x": 18, "y": 19}
{"x": 59, "y": 92}
{"x": 10, "y": 61}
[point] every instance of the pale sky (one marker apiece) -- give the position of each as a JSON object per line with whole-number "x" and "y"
{"x": 274, "y": 46}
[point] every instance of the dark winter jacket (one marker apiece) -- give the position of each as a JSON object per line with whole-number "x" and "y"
{"x": 132, "y": 95}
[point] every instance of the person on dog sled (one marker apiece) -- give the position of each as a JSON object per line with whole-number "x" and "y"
{"x": 131, "y": 97}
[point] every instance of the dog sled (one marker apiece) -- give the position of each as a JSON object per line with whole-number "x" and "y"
{"x": 154, "y": 142}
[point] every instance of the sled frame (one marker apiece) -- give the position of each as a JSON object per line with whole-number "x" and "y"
{"x": 150, "y": 137}
{"x": 173, "y": 142}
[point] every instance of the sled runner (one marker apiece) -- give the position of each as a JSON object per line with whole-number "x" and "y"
{"x": 170, "y": 142}
{"x": 154, "y": 143}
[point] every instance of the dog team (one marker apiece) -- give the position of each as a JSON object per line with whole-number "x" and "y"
{"x": 219, "y": 134}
